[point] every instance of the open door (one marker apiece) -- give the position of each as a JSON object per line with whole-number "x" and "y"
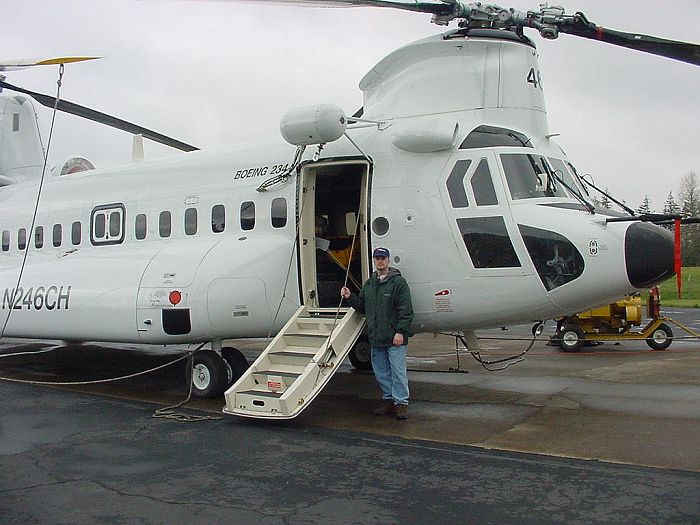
{"x": 332, "y": 230}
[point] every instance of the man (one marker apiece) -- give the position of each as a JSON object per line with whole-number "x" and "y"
{"x": 385, "y": 300}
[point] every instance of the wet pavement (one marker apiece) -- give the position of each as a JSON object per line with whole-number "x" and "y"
{"x": 607, "y": 435}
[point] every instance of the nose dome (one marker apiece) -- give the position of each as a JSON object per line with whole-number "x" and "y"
{"x": 648, "y": 254}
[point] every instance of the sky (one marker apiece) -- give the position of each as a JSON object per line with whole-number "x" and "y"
{"x": 218, "y": 73}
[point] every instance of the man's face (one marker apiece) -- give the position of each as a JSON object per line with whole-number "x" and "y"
{"x": 381, "y": 263}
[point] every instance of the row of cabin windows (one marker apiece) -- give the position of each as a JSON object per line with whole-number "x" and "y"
{"x": 108, "y": 224}
{"x": 218, "y": 219}
{"x": 57, "y": 237}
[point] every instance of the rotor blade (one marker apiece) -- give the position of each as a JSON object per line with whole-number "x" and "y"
{"x": 102, "y": 118}
{"x": 683, "y": 51}
{"x": 22, "y": 63}
{"x": 435, "y": 7}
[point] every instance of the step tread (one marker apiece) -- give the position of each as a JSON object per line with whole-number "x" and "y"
{"x": 287, "y": 353}
{"x": 277, "y": 373}
{"x": 261, "y": 393}
{"x": 315, "y": 334}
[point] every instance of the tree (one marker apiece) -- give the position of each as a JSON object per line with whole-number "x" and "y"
{"x": 604, "y": 200}
{"x": 645, "y": 206}
{"x": 671, "y": 206}
{"x": 689, "y": 197}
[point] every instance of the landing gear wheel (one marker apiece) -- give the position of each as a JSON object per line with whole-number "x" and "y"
{"x": 209, "y": 374}
{"x": 236, "y": 363}
{"x": 661, "y": 338}
{"x": 361, "y": 355}
{"x": 570, "y": 338}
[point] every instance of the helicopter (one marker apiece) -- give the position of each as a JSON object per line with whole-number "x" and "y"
{"x": 486, "y": 216}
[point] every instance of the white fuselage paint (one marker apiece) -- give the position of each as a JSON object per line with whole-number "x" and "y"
{"x": 244, "y": 283}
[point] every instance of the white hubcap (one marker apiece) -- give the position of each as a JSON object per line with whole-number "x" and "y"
{"x": 659, "y": 336}
{"x": 570, "y": 338}
{"x": 201, "y": 377}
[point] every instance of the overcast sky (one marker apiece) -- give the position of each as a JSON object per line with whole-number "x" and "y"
{"x": 217, "y": 73}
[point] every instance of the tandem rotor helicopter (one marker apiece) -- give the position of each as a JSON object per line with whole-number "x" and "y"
{"x": 450, "y": 156}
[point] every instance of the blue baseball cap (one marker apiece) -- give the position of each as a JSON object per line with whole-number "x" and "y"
{"x": 380, "y": 252}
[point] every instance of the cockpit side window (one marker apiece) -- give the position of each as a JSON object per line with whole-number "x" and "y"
{"x": 561, "y": 172}
{"x": 482, "y": 185}
{"x": 455, "y": 184}
{"x": 528, "y": 177}
{"x": 556, "y": 259}
{"x": 488, "y": 243}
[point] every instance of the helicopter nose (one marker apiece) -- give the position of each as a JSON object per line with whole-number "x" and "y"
{"x": 649, "y": 252}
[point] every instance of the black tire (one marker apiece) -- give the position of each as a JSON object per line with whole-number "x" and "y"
{"x": 570, "y": 338}
{"x": 209, "y": 374}
{"x": 361, "y": 355}
{"x": 661, "y": 338}
{"x": 237, "y": 363}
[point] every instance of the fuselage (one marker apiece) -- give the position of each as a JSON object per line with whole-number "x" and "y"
{"x": 456, "y": 183}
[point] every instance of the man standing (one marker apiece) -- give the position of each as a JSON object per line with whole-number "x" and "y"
{"x": 385, "y": 300}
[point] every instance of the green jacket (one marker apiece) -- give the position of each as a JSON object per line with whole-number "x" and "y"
{"x": 387, "y": 306}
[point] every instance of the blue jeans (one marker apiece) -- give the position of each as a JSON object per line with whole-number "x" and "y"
{"x": 389, "y": 364}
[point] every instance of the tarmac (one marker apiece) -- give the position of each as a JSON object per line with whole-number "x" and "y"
{"x": 606, "y": 435}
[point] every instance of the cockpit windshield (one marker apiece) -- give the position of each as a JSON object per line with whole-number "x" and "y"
{"x": 530, "y": 177}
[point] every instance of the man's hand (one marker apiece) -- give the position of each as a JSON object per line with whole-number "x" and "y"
{"x": 398, "y": 339}
{"x": 345, "y": 292}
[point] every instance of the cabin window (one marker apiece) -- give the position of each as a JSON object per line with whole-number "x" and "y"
{"x": 190, "y": 221}
{"x": 39, "y": 237}
{"x": 555, "y": 258}
{"x": 218, "y": 218}
{"x": 279, "y": 212}
{"x": 492, "y": 137}
{"x": 488, "y": 243}
{"x": 57, "y": 235}
{"x": 22, "y": 238}
{"x": 140, "y": 226}
{"x": 5, "y": 241}
{"x": 115, "y": 224}
{"x": 482, "y": 185}
{"x": 164, "y": 224}
{"x": 455, "y": 184}
{"x": 248, "y": 215}
{"x": 527, "y": 177}
{"x": 76, "y": 233}
{"x": 107, "y": 225}
{"x": 100, "y": 226}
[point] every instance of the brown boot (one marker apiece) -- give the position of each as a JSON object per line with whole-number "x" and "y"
{"x": 387, "y": 408}
{"x": 401, "y": 412}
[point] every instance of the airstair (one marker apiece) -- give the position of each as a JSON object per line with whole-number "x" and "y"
{"x": 296, "y": 365}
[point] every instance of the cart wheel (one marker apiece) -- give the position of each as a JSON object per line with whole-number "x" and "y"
{"x": 570, "y": 338}
{"x": 661, "y": 338}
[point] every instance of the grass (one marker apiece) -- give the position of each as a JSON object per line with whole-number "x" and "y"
{"x": 691, "y": 289}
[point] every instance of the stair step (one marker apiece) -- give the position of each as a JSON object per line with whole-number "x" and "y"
{"x": 261, "y": 393}
{"x": 305, "y": 355}
{"x": 326, "y": 314}
{"x": 297, "y": 368}
{"x": 306, "y": 350}
{"x": 275, "y": 373}
{"x": 304, "y": 340}
{"x": 310, "y": 333}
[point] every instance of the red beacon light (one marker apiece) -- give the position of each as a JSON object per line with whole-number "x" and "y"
{"x": 175, "y": 297}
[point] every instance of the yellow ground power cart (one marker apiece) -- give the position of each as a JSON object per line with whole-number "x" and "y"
{"x": 614, "y": 322}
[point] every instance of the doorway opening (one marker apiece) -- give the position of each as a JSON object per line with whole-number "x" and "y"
{"x": 333, "y": 230}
